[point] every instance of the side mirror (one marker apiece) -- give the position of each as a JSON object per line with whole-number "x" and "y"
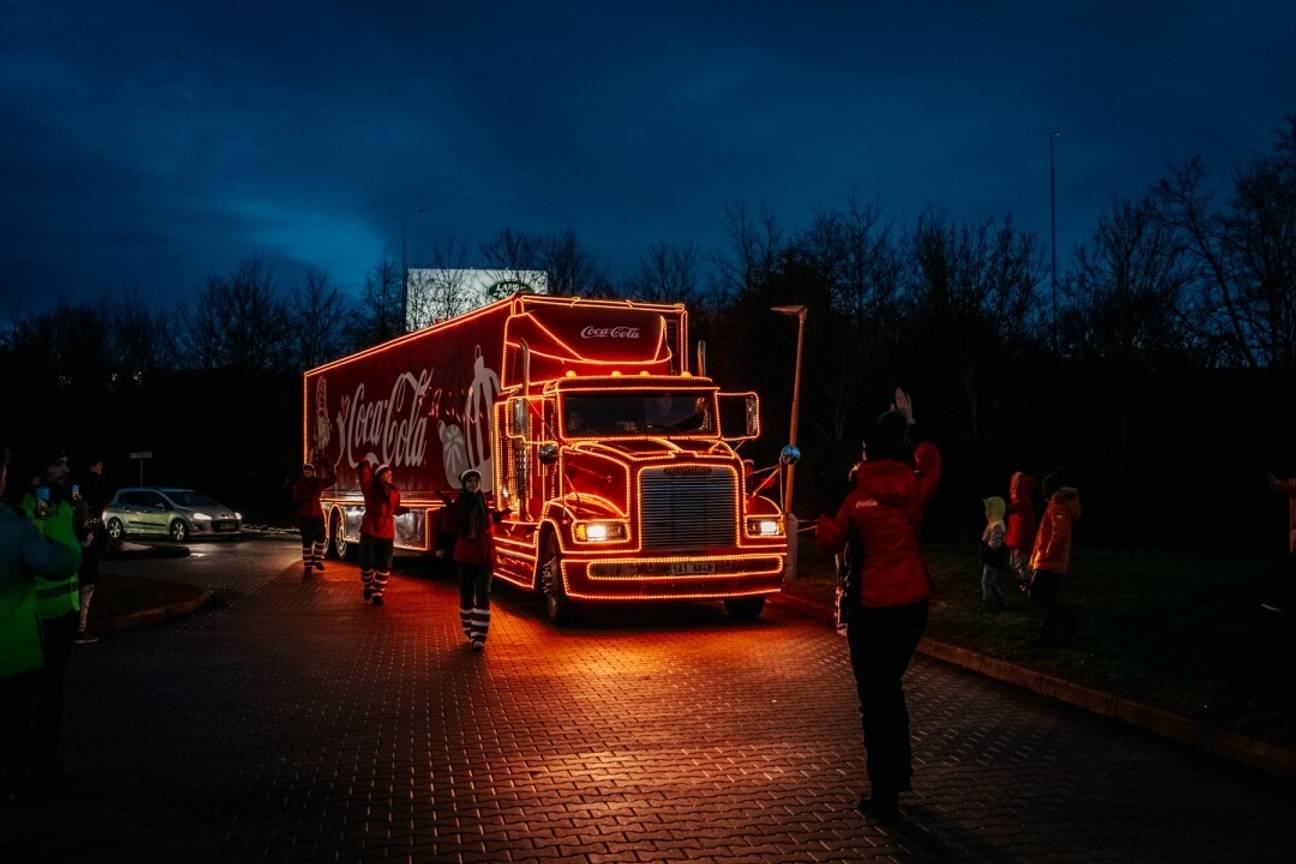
{"x": 739, "y": 416}
{"x": 548, "y": 454}
{"x": 790, "y": 455}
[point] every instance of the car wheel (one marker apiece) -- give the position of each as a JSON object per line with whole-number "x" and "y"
{"x": 179, "y": 531}
{"x": 559, "y": 608}
{"x": 745, "y": 608}
{"x": 115, "y": 529}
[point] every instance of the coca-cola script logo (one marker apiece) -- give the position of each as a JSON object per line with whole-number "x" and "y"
{"x": 393, "y": 429}
{"x": 610, "y": 333}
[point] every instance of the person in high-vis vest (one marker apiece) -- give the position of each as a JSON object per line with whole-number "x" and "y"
{"x": 58, "y": 611}
{"x": 24, "y": 554}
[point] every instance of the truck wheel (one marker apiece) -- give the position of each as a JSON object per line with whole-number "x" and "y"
{"x": 558, "y": 606}
{"x": 745, "y": 608}
{"x": 115, "y": 529}
{"x": 343, "y": 549}
{"x": 336, "y": 546}
{"x": 179, "y": 531}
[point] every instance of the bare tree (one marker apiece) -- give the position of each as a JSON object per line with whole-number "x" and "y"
{"x": 238, "y": 321}
{"x": 570, "y": 268}
{"x": 667, "y": 274}
{"x": 855, "y": 250}
{"x": 573, "y": 270}
{"x": 756, "y": 244}
{"x": 319, "y": 315}
{"x": 441, "y": 291}
{"x": 1125, "y": 307}
{"x": 381, "y": 313}
{"x": 1244, "y": 259}
{"x": 970, "y": 288}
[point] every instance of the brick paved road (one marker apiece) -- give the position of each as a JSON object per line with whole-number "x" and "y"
{"x": 293, "y": 723}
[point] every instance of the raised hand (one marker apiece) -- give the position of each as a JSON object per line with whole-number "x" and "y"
{"x": 904, "y": 404}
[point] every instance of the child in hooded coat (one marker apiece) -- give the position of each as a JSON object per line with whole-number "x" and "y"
{"x": 1021, "y": 522}
{"x": 1051, "y": 560}
{"x": 994, "y": 555}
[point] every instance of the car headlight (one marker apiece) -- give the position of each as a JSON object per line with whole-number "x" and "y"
{"x": 202, "y": 517}
{"x": 764, "y": 527}
{"x": 238, "y": 516}
{"x": 599, "y": 532}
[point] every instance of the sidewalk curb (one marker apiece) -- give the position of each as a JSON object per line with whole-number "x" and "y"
{"x": 1201, "y": 734}
{"x": 151, "y": 617}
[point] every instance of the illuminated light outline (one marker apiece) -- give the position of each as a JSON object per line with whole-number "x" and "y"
{"x": 577, "y": 356}
{"x": 775, "y": 561}
{"x": 448, "y": 324}
{"x": 744, "y": 394}
{"x": 637, "y": 388}
{"x": 523, "y": 552}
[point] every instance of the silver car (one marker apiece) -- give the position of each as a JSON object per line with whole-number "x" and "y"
{"x": 177, "y": 513}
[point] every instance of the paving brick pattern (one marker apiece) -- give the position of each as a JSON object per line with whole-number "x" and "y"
{"x": 291, "y": 722}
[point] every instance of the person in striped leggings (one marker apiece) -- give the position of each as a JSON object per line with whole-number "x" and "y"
{"x": 470, "y": 521}
{"x": 377, "y": 528}
{"x": 310, "y": 516}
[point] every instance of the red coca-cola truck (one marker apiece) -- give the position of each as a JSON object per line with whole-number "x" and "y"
{"x": 588, "y": 427}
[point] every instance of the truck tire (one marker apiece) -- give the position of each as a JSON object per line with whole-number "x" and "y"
{"x": 745, "y": 608}
{"x": 343, "y": 549}
{"x": 559, "y": 608}
{"x": 330, "y": 545}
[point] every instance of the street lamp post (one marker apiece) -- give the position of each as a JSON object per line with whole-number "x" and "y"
{"x": 1053, "y": 228}
{"x": 790, "y": 519}
{"x": 405, "y": 267}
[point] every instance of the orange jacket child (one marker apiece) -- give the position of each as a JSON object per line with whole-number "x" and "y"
{"x": 1053, "y": 542}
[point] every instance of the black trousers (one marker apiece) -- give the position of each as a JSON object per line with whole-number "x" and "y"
{"x": 17, "y": 697}
{"x": 882, "y": 641}
{"x": 1044, "y": 594}
{"x": 56, "y": 641}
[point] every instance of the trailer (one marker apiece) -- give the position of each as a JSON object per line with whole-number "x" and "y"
{"x": 588, "y": 427}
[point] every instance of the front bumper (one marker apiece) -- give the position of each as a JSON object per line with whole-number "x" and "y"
{"x": 673, "y": 577}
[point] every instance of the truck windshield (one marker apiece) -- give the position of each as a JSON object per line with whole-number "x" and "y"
{"x": 640, "y": 413}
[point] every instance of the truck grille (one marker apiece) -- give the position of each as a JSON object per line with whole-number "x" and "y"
{"x": 688, "y": 511}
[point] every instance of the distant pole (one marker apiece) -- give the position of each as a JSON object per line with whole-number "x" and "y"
{"x": 800, "y": 313}
{"x": 1053, "y": 227}
{"x": 405, "y": 274}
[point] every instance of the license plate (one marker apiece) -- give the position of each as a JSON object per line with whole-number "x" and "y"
{"x": 224, "y": 526}
{"x": 693, "y": 568}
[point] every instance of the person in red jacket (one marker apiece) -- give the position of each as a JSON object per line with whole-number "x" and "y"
{"x": 1020, "y": 538}
{"x": 880, "y": 518}
{"x": 469, "y": 520}
{"x": 377, "y": 528}
{"x": 310, "y": 516}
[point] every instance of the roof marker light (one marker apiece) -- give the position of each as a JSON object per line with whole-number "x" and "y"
{"x": 571, "y": 373}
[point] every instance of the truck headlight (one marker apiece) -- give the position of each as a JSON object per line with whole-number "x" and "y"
{"x": 599, "y": 532}
{"x": 764, "y": 527}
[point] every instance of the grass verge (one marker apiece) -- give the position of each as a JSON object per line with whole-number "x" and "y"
{"x": 1177, "y": 629}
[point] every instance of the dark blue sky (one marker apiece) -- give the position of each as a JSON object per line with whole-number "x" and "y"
{"x": 145, "y": 145}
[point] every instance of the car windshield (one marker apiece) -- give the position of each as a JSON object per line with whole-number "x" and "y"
{"x": 653, "y": 413}
{"x": 185, "y": 498}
